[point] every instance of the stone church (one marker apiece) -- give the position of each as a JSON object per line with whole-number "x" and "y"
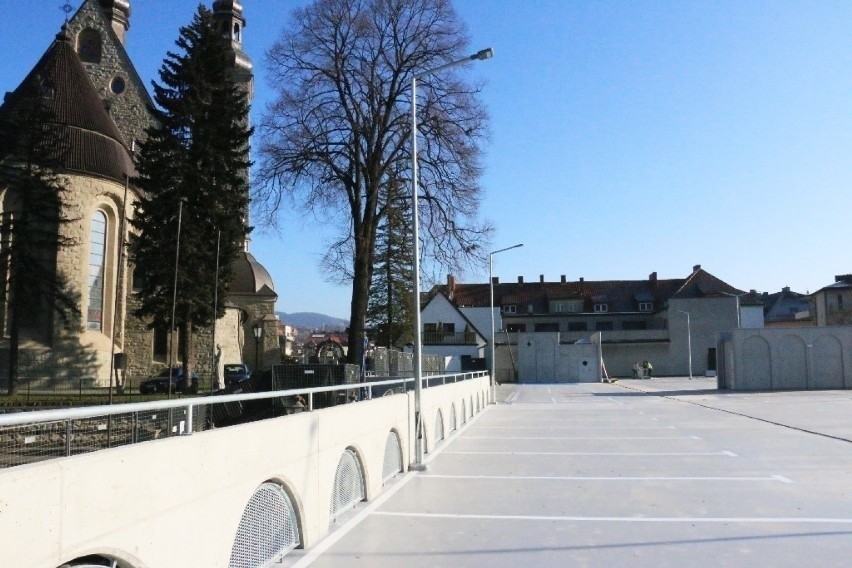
{"x": 102, "y": 107}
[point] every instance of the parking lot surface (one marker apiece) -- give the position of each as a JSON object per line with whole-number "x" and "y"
{"x": 639, "y": 473}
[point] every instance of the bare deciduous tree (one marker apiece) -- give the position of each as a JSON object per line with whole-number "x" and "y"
{"x": 338, "y": 135}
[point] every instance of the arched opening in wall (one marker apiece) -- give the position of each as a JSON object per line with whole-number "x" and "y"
{"x": 89, "y": 46}
{"x": 6, "y": 268}
{"x": 268, "y": 530}
{"x": 463, "y": 412}
{"x": 393, "y": 457}
{"x": 478, "y": 405}
{"x": 439, "y": 426}
{"x": 237, "y": 35}
{"x": 453, "y": 422}
{"x": 471, "y": 406}
{"x": 94, "y": 561}
{"x": 349, "y": 488}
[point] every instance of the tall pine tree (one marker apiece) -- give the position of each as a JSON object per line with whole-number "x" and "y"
{"x": 391, "y": 293}
{"x": 197, "y": 156}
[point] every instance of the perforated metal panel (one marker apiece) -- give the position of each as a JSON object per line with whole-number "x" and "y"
{"x": 268, "y": 529}
{"x": 393, "y": 457}
{"x": 463, "y": 413}
{"x": 348, "y": 484}
{"x": 453, "y": 423}
{"x": 439, "y": 427}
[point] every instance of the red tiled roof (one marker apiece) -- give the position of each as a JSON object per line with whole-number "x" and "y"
{"x": 621, "y": 295}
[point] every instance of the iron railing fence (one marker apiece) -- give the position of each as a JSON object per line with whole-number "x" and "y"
{"x": 32, "y": 436}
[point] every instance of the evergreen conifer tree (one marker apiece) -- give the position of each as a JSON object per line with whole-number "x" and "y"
{"x": 195, "y": 162}
{"x": 391, "y": 292}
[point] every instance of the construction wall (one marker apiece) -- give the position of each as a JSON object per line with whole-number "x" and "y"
{"x": 796, "y": 358}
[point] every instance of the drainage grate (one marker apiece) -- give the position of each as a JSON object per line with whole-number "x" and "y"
{"x": 348, "y": 484}
{"x": 439, "y": 427}
{"x": 393, "y": 457}
{"x": 268, "y": 529}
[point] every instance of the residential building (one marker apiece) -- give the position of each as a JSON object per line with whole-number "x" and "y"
{"x": 637, "y": 320}
{"x": 832, "y": 305}
{"x": 786, "y": 309}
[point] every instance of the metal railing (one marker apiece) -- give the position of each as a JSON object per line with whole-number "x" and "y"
{"x": 445, "y": 338}
{"x": 31, "y": 436}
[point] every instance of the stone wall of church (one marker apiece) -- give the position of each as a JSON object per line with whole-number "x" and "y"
{"x": 114, "y": 77}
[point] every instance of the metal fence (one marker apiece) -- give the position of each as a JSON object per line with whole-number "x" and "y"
{"x": 32, "y": 436}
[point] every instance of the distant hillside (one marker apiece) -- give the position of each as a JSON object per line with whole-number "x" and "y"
{"x": 311, "y": 320}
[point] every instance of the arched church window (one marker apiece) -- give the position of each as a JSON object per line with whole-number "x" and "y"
{"x": 89, "y": 46}
{"x": 97, "y": 258}
{"x": 237, "y": 32}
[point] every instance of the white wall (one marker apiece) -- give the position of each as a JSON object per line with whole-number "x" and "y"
{"x": 178, "y": 501}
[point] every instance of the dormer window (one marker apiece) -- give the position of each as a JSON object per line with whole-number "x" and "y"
{"x": 510, "y": 309}
{"x": 646, "y": 306}
{"x": 601, "y": 308}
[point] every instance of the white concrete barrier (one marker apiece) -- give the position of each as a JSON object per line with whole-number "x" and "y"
{"x": 178, "y": 502}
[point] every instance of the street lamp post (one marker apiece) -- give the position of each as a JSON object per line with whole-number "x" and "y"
{"x": 491, "y": 306}
{"x": 258, "y": 332}
{"x": 174, "y": 296}
{"x": 688, "y": 341}
{"x": 418, "y": 343}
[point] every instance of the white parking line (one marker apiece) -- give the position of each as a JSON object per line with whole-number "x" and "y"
{"x": 579, "y": 438}
{"x": 658, "y": 454}
{"x": 773, "y": 478}
{"x": 752, "y": 520}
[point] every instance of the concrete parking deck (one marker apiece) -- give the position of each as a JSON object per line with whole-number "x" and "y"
{"x": 662, "y": 472}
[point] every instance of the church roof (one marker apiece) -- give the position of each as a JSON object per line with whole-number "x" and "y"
{"x": 250, "y": 277}
{"x": 90, "y": 141}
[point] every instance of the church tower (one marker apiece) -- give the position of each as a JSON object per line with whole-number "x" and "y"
{"x": 228, "y": 15}
{"x": 118, "y": 14}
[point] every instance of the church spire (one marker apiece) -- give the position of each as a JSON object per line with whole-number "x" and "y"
{"x": 118, "y": 14}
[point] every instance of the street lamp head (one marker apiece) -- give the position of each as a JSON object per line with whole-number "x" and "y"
{"x": 482, "y": 54}
{"x": 258, "y": 331}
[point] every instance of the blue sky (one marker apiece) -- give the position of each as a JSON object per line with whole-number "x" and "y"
{"x": 627, "y": 137}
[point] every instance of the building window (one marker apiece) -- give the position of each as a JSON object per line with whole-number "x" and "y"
{"x": 601, "y": 308}
{"x": 603, "y": 326}
{"x": 547, "y": 327}
{"x": 97, "y": 257}
{"x": 634, "y": 325}
{"x": 578, "y": 326}
{"x": 117, "y": 85}
{"x": 448, "y": 328}
{"x": 840, "y": 301}
{"x": 646, "y": 306}
{"x": 89, "y": 46}
{"x": 430, "y": 327}
{"x": 559, "y": 308}
{"x": 516, "y": 327}
{"x": 510, "y": 309}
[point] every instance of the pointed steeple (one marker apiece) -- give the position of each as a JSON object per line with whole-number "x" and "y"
{"x": 118, "y": 14}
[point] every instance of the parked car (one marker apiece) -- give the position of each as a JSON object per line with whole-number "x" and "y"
{"x": 236, "y": 373}
{"x": 160, "y": 382}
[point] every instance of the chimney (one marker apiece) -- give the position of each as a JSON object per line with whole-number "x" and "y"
{"x": 786, "y": 289}
{"x": 520, "y": 279}
{"x": 753, "y": 292}
{"x": 653, "y": 277}
{"x": 696, "y": 268}
{"x": 582, "y": 279}
{"x": 495, "y": 280}
{"x": 451, "y": 282}
{"x": 563, "y": 279}
{"x": 541, "y": 278}
{"x": 843, "y": 278}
